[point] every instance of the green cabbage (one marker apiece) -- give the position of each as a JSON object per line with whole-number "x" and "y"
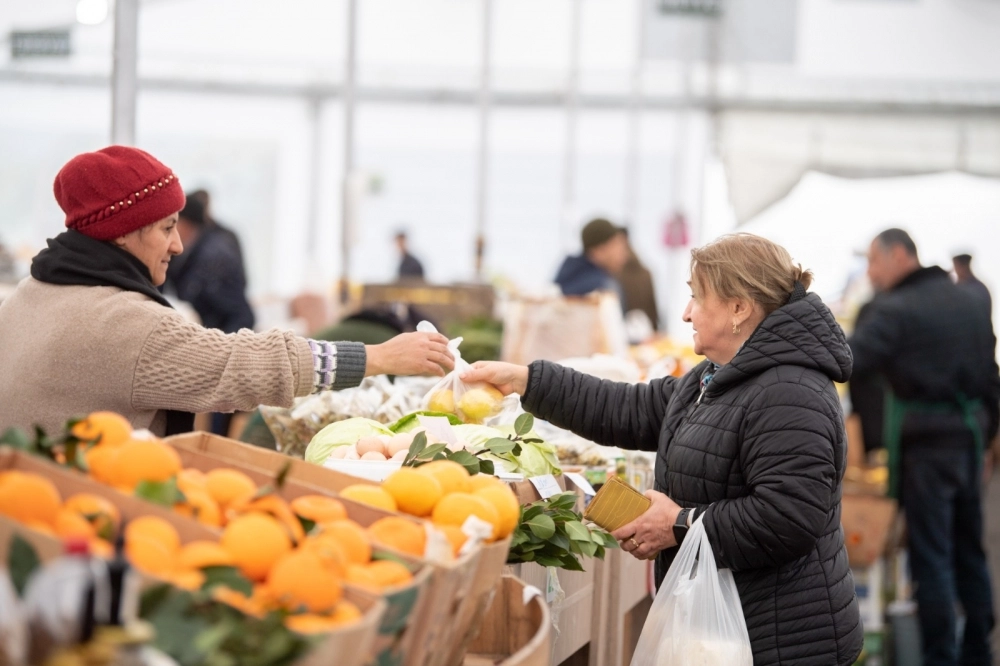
{"x": 341, "y": 433}
{"x": 534, "y": 460}
{"x": 411, "y": 422}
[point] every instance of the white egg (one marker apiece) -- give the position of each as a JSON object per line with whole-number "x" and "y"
{"x": 340, "y": 452}
{"x": 399, "y": 455}
{"x": 400, "y": 442}
{"x": 369, "y": 445}
{"x": 352, "y": 453}
{"x": 373, "y": 455}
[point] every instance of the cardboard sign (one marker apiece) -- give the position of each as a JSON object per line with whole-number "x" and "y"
{"x": 546, "y": 485}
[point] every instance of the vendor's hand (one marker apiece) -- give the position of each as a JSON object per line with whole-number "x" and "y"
{"x": 651, "y": 532}
{"x": 410, "y": 354}
{"x": 506, "y": 377}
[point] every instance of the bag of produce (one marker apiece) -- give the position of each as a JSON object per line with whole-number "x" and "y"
{"x": 473, "y": 403}
{"x": 696, "y": 618}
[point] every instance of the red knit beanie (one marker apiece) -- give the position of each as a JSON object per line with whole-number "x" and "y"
{"x": 116, "y": 190}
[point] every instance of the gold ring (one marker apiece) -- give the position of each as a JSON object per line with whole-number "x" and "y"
{"x": 634, "y": 543}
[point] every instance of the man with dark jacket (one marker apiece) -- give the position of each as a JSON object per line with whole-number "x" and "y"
{"x": 935, "y": 346}
{"x": 637, "y": 287}
{"x": 605, "y": 253}
{"x": 967, "y": 280}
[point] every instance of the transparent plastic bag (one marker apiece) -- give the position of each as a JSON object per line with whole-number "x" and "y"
{"x": 696, "y": 618}
{"x": 473, "y": 403}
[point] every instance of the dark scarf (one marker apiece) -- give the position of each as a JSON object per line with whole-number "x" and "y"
{"x": 75, "y": 259}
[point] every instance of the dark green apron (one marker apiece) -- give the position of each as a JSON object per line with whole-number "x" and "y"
{"x": 896, "y": 410}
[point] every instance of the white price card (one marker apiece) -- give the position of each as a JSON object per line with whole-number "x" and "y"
{"x": 546, "y": 485}
{"x": 581, "y": 482}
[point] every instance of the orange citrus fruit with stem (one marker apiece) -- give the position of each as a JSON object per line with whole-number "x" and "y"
{"x": 199, "y": 505}
{"x": 100, "y": 462}
{"x": 98, "y": 511}
{"x": 273, "y": 506}
{"x": 318, "y": 508}
{"x": 456, "y": 508}
{"x": 453, "y": 477}
{"x": 70, "y": 524}
{"x": 508, "y": 508}
{"x": 150, "y": 555}
{"x": 299, "y": 579}
{"x": 480, "y": 481}
{"x": 28, "y": 497}
{"x": 370, "y": 495}
{"x": 190, "y": 478}
{"x": 388, "y": 573}
{"x": 154, "y": 528}
{"x": 255, "y": 541}
{"x": 201, "y": 554}
{"x": 351, "y": 537}
{"x": 330, "y": 552}
{"x": 399, "y": 534}
{"x": 106, "y": 428}
{"x": 415, "y": 493}
{"x": 144, "y": 460}
{"x": 227, "y": 486}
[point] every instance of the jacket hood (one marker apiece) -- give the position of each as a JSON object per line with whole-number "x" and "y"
{"x": 802, "y": 333}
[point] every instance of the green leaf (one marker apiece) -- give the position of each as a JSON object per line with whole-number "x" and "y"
{"x": 571, "y": 563}
{"x": 519, "y": 538}
{"x": 547, "y": 561}
{"x": 279, "y": 480}
{"x": 210, "y": 639}
{"x": 418, "y": 445}
{"x": 560, "y": 540}
{"x": 576, "y": 531}
{"x": 524, "y": 424}
{"x": 164, "y": 493}
{"x": 433, "y": 450}
{"x": 466, "y": 460}
{"x": 307, "y": 525}
{"x": 587, "y": 547}
{"x": 487, "y": 467}
{"x": 16, "y": 438}
{"x": 531, "y": 512}
{"x": 227, "y": 577}
{"x": 542, "y": 526}
{"x": 22, "y": 560}
{"x": 563, "y": 501}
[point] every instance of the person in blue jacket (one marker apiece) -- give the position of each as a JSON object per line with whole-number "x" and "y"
{"x": 605, "y": 253}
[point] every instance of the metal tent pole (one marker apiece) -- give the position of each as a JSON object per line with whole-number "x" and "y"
{"x": 632, "y": 158}
{"x": 124, "y": 76}
{"x": 572, "y": 111}
{"x": 485, "y": 108}
{"x": 348, "y": 209}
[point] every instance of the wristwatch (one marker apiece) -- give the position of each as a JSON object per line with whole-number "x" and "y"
{"x": 681, "y": 526}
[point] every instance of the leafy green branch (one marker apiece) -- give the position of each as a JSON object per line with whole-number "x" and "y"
{"x": 551, "y": 533}
{"x": 421, "y": 453}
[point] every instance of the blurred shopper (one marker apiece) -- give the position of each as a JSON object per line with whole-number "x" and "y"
{"x": 605, "y": 253}
{"x": 89, "y": 331}
{"x": 750, "y": 441}
{"x": 935, "y": 346}
{"x": 967, "y": 280}
{"x": 410, "y": 267}
{"x": 867, "y": 391}
{"x": 205, "y": 199}
{"x": 637, "y": 287}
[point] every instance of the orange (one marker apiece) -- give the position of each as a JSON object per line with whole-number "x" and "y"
{"x": 149, "y": 555}
{"x": 144, "y": 460}
{"x": 454, "y": 509}
{"x": 191, "y": 479}
{"x": 156, "y": 529}
{"x": 100, "y": 462}
{"x": 187, "y": 579}
{"x": 508, "y": 508}
{"x": 456, "y": 537}
{"x": 346, "y": 613}
{"x": 352, "y": 538}
{"x": 228, "y": 485}
{"x": 359, "y": 575}
{"x": 299, "y": 579}
{"x": 274, "y": 506}
{"x": 370, "y": 495}
{"x": 330, "y": 552}
{"x": 237, "y": 600}
{"x": 310, "y": 623}
{"x": 255, "y": 541}
{"x": 201, "y": 554}
{"x": 453, "y": 477}
{"x": 70, "y": 524}
{"x": 101, "y": 548}
{"x": 108, "y": 428}
{"x": 27, "y": 497}
{"x": 390, "y": 574}
{"x": 318, "y": 508}
{"x": 480, "y": 481}
{"x": 415, "y": 493}
{"x": 200, "y": 506}
{"x": 101, "y": 513}
{"x": 399, "y": 534}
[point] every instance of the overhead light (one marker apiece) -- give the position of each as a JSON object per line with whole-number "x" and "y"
{"x": 91, "y": 12}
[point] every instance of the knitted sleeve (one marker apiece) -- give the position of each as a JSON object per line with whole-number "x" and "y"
{"x": 187, "y": 367}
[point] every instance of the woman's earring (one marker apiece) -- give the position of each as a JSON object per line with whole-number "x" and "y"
{"x": 736, "y": 329}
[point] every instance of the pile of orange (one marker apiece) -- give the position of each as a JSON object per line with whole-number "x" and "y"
{"x": 444, "y": 492}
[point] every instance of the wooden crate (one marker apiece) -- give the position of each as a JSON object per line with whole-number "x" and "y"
{"x": 351, "y": 645}
{"x": 514, "y": 632}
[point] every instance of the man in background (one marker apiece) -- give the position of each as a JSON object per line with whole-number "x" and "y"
{"x": 637, "y": 287}
{"x": 967, "y": 280}
{"x": 935, "y": 347}
{"x": 605, "y": 253}
{"x": 410, "y": 267}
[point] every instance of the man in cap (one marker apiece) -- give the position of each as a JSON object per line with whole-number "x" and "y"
{"x": 965, "y": 279}
{"x": 605, "y": 253}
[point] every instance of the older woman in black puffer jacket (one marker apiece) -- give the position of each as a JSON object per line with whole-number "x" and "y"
{"x": 752, "y": 439}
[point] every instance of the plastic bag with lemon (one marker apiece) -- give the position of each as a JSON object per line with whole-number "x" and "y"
{"x": 473, "y": 403}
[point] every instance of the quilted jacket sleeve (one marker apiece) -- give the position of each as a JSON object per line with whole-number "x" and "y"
{"x": 791, "y": 474}
{"x": 609, "y": 413}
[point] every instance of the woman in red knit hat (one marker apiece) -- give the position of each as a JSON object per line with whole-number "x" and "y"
{"x": 89, "y": 331}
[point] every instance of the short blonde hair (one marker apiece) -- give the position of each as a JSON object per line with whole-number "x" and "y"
{"x": 746, "y": 266}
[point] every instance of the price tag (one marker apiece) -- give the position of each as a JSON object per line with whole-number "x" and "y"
{"x": 547, "y": 486}
{"x": 581, "y": 482}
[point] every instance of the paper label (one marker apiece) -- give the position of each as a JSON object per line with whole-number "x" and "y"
{"x": 581, "y": 482}
{"x": 546, "y": 485}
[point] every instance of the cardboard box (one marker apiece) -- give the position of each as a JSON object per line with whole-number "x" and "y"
{"x": 351, "y": 645}
{"x": 436, "y": 618}
{"x": 866, "y": 520}
{"x": 515, "y": 631}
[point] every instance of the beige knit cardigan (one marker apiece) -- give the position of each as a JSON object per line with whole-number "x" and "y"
{"x": 70, "y": 350}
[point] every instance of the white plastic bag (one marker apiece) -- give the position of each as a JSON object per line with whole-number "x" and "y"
{"x": 473, "y": 403}
{"x": 696, "y": 618}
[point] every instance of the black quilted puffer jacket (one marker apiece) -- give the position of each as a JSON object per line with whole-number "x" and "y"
{"x": 763, "y": 448}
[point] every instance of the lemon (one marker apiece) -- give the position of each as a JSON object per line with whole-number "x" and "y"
{"x": 442, "y": 401}
{"x": 480, "y": 403}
